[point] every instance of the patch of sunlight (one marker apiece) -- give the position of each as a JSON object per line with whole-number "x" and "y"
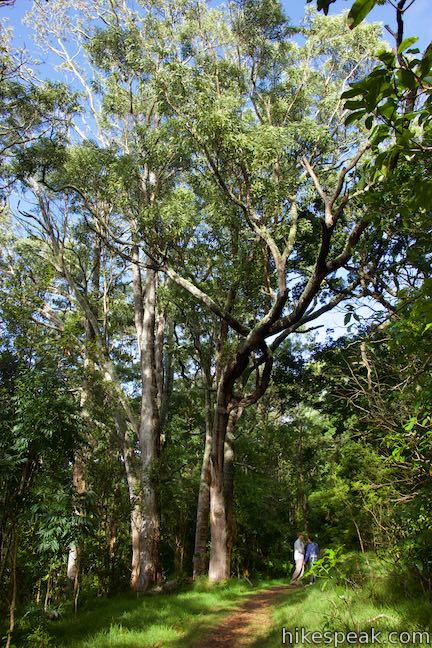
{"x": 119, "y": 637}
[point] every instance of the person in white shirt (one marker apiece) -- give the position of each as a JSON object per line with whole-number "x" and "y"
{"x": 299, "y": 551}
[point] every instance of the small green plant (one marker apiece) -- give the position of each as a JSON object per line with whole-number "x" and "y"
{"x": 51, "y": 612}
{"x": 39, "y": 637}
{"x": 324, "y": 567}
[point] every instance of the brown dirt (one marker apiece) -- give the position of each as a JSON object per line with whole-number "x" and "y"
{"x": 244, "y": 626}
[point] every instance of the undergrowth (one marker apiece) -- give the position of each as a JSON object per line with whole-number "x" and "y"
{"x": 361, "y": 594}
{"x": 176, "y": 620}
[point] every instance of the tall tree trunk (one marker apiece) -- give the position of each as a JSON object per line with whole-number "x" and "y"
{"x": 111, "y": 551}
{"x": 203, "y": 507}
{"x": 136, "y": 526}
{"x": 79, "y": 466}
{"x": 149, "y": 426}
{"x": 149, "y": 438}
{"x": 167, "y": 371}
{"x": 145, "y": 514}
{"x": 80, "y": 460}
{"x": 227, "y": 408}
{"x": 79, "y": 488}
{"x": 127, "y": 440}
{"x": 229, "y": 482}
{"x": 222, "y": 518}
{"x": 218, "y": 566}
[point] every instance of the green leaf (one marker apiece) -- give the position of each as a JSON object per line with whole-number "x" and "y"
{"x": 323, "y": 5}
{"x": 352, "y": 92}
{"x": 388, "y": 110}
{"x": 410, "y": 424}
{"x": 407, "y": 79}
{"x": 369, "y": 122}
{"x": 354, "y": 105}
{"x": 355, "y": 116}
{"x": 407, "y": 42}
{"x": 379, "y": 134}
{"x": 426, "y": 63}
{"x": 388, "y": 58}
{"x": 359, "y": 11}
{"x": 347, "y": 318}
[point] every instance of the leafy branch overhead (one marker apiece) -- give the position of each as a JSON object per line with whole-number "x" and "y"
{"x": 395, "y": 100}
{"x": 358, "y": 12}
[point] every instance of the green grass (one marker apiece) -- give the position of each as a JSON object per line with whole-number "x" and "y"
{"x": 371, "y": 597}
{"x": 175, "y": 620}
{"x": 358, "y": 597}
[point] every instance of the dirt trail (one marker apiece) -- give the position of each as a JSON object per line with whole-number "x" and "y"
{"x": 244, "y": 626}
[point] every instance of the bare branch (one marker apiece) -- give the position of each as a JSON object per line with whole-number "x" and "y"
{"x": 207, "y": 301}
{"x": 320, "y": 190}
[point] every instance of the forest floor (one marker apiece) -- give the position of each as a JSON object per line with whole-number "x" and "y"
{"x": 246, "y": 624}
{"x": 235, "y": 614}
{"x": 177, "y": 620}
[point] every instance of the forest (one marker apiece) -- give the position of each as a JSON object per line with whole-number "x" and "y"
{"x": 215, "y": 323}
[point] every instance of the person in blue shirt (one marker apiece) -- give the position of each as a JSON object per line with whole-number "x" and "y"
{"x": 311, "y": 555}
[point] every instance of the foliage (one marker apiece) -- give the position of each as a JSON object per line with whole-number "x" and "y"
{"x": 358, "y": 12}
{"x": 28, "y": 111}
{"x": 395, "y": 98}
{"x": 396, "y": 101}
{"x": 205, "y": 145}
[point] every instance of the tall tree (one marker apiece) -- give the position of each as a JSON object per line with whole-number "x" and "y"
{"x": 128, "y": 155}
{"x": 219, "y": 135}
{"x": 257, "y": 110}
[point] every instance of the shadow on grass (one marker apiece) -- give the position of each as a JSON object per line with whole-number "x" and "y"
{"x": 191, "y": 638}
{"x": 171, "y": 620}
{"x": 400, "y": 591}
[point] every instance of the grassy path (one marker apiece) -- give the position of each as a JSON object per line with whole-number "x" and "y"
{"x": 244, "y": 626}
{"x": 178, "y": 620}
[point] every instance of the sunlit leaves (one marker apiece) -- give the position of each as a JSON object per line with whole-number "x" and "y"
{"x": 396, "y": 102}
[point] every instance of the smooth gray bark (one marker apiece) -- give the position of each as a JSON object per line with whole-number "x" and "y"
{"x": 148, "y": 526}
{"x": 203, "y": 506}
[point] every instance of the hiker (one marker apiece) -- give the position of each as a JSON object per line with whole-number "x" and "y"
{"x": 311, "y": 555}
{"x": 299, "y": 556}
